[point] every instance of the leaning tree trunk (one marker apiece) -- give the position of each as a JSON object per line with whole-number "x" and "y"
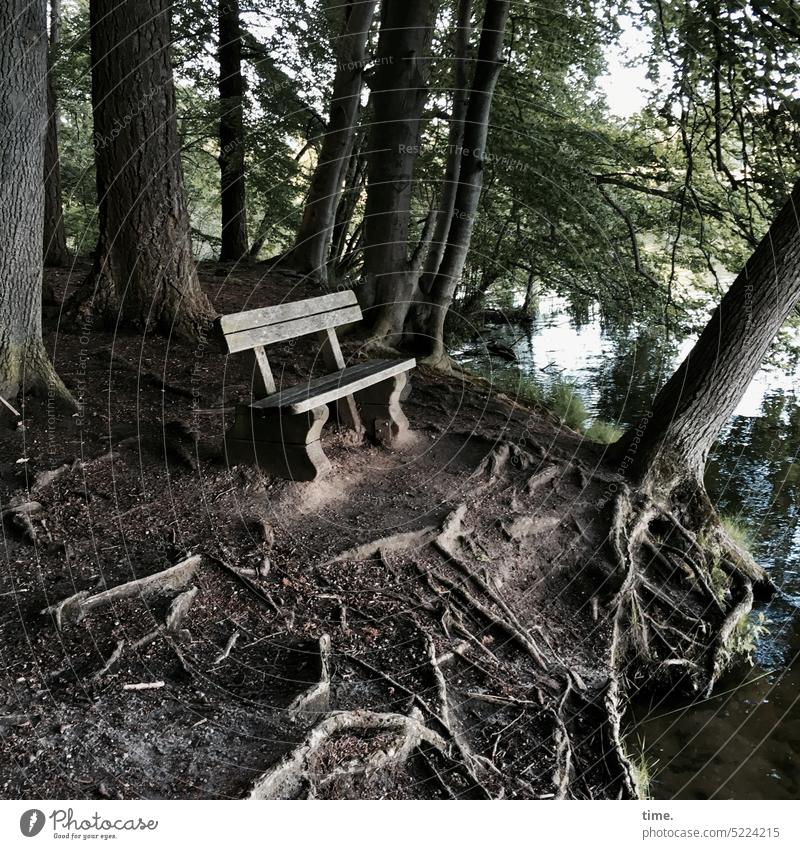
{"x": 399, "y": 92}
{"x": 24, "y": 363}
{"x": 55, "y": 240}
{"x": 470, "y": 181}
{"x": 235, "y": 243}
{"x": 689, "y": 412}
{"x": 310, "y": 252}
{"x": 143, "y": 264}
{"x": 687, "y": 587}
{"x": 455, "y": 144}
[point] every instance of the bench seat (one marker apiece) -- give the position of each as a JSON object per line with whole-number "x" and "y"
{"x": 280, "y": 429}
{"x": 331, "y": 387}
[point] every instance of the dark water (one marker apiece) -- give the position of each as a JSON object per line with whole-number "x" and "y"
{"x": 744, "y": 742}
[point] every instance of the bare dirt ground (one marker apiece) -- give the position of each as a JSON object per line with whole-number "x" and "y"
{"x": 412, "y": 625}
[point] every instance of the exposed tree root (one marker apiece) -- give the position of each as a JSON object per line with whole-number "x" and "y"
{"x": 387, "y": 545}
{"x": 737, "y": 613}
{"x": 446, "y": 542}
{"x": 493, "y": 467}
{"x": 75, "y": 607}
{"x": 562, "y": 777}
{"x": 112, "y": 660}
{"x": 22, "y": 514}
{"x": 316, "y": 700}
{"x": 297, "y": 774}
{"x": 669, "y": 618}
{"x": 226, "y": 652}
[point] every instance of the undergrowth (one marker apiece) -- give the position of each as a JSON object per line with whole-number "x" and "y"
{"x": 749, "y": 629}
{"x": 561, "y": 398}
{"x": 737, "y": 531}
{"x": 643, "y": 770}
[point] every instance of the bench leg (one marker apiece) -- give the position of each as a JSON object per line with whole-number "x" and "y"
{"x": 381, "y": 412}
{"x": 281, "y": 444}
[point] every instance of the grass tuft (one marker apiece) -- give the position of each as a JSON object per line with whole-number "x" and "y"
{"x": 737, "y": 531}
{"x": 642, "y": 770}
{"x": 604, "y": 432}
{"x": 567, "y": 405}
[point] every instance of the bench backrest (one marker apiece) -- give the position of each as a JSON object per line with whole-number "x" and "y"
{"x": 245, "y": 331}
{"x": 252, "y": 330}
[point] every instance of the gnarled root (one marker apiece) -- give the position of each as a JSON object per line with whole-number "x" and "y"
{"x": 680, "y": 595}
{"x": 299, "y": 772}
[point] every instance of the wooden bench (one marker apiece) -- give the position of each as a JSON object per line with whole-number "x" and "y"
{"x": 280, "y": 429}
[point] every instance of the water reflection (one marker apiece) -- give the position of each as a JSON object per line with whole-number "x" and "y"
{"x": 742, "y": 743}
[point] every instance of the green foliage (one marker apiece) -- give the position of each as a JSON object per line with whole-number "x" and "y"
{"x": 643, "y": 770}
{"x": 737, "y": 531}
{"x": 563, "y": 400}
{"x": 744, "y": 639}
{"x": 512, "y": 382}
{"x": 720, "y": 582}
{"x": 603, "y": 431}
{"x": 646, "y": 217}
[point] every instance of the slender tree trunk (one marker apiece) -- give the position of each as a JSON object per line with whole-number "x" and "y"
{"x": 55, "y": 240}
{"x": 235, "y": 243}
{"x": 143, "y": 264}
{"x": 310, "y": 251}
{"x": 24, "y": 364}
{"x": 470, "y": 181}
{"x": 527, "y": 304}
{"x": 399, "y": 92}
{"x": 353, "y": 187}
{"x": 455, "y": 143}
{"x": 690, "y": 410}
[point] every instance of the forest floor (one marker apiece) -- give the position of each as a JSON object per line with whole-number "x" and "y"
{"x": 429, "y": 621}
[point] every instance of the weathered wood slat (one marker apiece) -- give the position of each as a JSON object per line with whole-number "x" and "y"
{"x": 268, "y": 386}
{"x": 286, "y": 312}
{"x": 332, "y": 356}
{"x": 243, "y": 340}
{"x": 331, "y": 387}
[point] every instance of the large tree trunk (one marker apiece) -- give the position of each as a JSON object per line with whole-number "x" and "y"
{"x": 310, "y": 251}
{"x": 143, "y": 265}
{"x": 399, "y": 92}
{"x": 24, "y": 364}
{"x": 231, "y": 134}
{"x": 455, "y": 144}
{"x": 692, "y": 407}
{"x": 686, "y": 586}
{"x": 55, "y": 240}
{"x": 470, "y": 180}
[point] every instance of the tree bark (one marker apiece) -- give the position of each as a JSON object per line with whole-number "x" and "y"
{"x": 455, "y": 142}
{"x": 351, "y": 194}
{"x": 310, "y": 252}
{"x": 470, "y": 179}
{"x": 692, "y": 407}
{"x": 399, "y": 92}
{"x": 235, "y": 243}
{"x": 143, "y": 264}
{"x": 24, "y": 364}
{"x": 55, "y": 240}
